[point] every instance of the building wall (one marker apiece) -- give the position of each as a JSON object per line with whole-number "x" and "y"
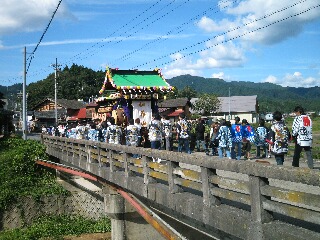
{"x": 251, "y": 118}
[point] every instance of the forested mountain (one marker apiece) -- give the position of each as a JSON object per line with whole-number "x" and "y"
{"x": 78, "y": 82}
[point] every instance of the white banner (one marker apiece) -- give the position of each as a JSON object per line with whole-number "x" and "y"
{"x": 142, "y": 110}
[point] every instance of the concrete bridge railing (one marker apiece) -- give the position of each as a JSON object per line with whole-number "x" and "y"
{"x": 243, "y": 199}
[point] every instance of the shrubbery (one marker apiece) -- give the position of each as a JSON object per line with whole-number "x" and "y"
{"x": 20, "y": 175}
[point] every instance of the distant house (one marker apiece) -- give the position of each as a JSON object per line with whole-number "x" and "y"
{"x": 67, "y": 110}
{"x": 173, "y": 107}
{"x": 245, "y": 107}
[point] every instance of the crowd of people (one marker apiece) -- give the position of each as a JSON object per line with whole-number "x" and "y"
{"x": 233, "y": 141}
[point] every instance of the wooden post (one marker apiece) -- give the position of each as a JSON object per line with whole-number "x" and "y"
{"x": 173, "y": 188}
{"x": 146, "y": 178}
{"x": 208, "y": 199}
{"x": 99, "y": 156}
{"x": 127, "y": 171}
{"x": 259, "y": 216}
{"x": 88, "y": 149}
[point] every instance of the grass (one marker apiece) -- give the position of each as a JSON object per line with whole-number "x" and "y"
{"x": 56, "y": 227}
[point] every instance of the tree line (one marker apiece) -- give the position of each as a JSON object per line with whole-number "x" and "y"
{"x": 79, "y": 82}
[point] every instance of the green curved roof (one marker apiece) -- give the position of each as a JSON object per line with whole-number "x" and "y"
{"x": 121, "y": 78}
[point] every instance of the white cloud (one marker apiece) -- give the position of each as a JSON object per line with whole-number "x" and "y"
{"x": 221, "y": 56}
{"x": 271, "y": 79}
{"x": 28, "y": 16}
{"x": 181, "y": 66}
{"x": 218, "y": 75}
{"x": 294, "y": 80}
{"x": 248, "y": 19}
{"x": 247, "y": 12}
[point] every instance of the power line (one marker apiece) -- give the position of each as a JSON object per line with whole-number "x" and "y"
{"x": 179, "y": 30}
{"x": 226, "y": 32}
{"x": 77, "y": 56}
{"x": 46, "y": 29}
{"x": 119, "y": 29}
{"x": 198, "y": 43}
{"x": 246, "y": 33}
{"x": 138, "y": 30}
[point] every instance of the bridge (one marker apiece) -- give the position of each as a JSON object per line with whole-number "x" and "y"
{"x": 242, "y": 199}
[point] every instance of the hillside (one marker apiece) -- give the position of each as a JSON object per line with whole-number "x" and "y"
{"x": 81, "y": 82}
{"x": 271, "y": 97}
{"x": 263, "y": 90}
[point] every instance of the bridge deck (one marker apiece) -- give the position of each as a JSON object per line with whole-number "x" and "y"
{"x": 245, "y": 199}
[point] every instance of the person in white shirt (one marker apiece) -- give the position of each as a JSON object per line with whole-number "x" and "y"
{"x": 167, "y": 133}
{"x": 302, "y": 131}
{"x": 155, "y": 132}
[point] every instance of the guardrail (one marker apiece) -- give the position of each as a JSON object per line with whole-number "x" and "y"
{"x": 243, "y": 199}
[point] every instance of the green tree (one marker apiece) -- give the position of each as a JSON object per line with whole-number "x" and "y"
{"x": 207, "y": 104}
{"x": 187, "y": 92}
{"x": 173, "y": 94}
{"x": 75, "y": 82}
{"x": 2, "y": 103}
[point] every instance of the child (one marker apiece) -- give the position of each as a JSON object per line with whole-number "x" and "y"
{"x": 248, "y": 137}
{"x": 261, "y": 135}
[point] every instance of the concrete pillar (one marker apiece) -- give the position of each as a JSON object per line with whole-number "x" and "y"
{"x": 115, "y": 209}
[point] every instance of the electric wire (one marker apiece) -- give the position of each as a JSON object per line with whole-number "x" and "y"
{"x": 196, "y": 44}
{"x": 119, "y": 29}
{"x": 46, "y": 29}
{"x": 40, "y": 71}
{"x": 179, "y": 29}
{"x": 225, "y": 33}
{"x": 138, "y": 30}
{"x": 244, "y": 34}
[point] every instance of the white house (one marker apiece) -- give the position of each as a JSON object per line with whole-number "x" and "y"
{"x": 245, "y": 107}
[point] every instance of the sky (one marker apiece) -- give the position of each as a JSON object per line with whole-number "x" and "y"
{"x": 243, "y": 40}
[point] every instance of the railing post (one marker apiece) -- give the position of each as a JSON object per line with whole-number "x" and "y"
{"x": 259, "y": 216}
{"x": 73, "y": 154}
{"x": 146, "y": 178}
{"x": 173, "y": 188}
{"x": 112, "y": 167}
{"x": 99, "y": 156}
{"x": 208, "y": 199}
{"x": 88, "y": 149}
{"x": 67, "y": 150}
{"x": 127, "y": 172}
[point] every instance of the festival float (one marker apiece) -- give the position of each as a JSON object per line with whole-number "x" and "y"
{"x": 129, "y": 94}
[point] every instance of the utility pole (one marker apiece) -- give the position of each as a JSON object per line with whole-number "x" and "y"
{"x": 229, "y": 105}
{"x": 24, "y": 96}
{"x": 56, "y": 68}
